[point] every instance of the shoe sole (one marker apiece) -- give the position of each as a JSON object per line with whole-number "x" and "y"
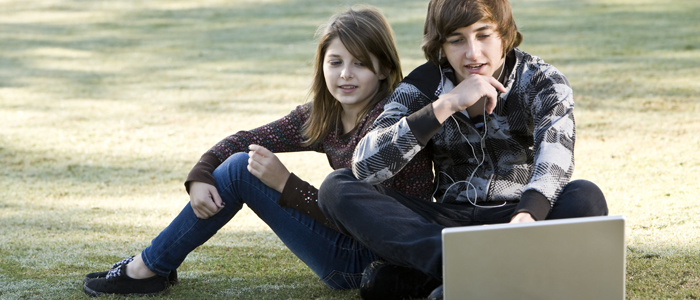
{"x": 92, "y": 293}
{"x": 86, "y": 279}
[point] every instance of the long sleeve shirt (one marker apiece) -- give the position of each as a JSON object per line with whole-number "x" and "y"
{"x": 285, "y": 135}
{"x": 522, "y": 154}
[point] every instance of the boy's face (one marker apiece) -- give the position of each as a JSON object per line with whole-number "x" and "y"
{"x": 475, "y": 49}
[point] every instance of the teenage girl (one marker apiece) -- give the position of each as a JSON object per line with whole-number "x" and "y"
{"x": 356, "y": 68}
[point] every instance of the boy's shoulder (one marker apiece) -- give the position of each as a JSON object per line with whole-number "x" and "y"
{"x": 534, "y": 70}
{"x": 426, "y": 78}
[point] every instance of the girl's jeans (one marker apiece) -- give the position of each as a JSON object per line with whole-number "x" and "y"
{"x": 335, "y": 258}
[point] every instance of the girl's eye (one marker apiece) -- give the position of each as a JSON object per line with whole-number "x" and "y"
{"x": 455, "y": 41}
{"x": 359, "y": 64}
{"x": 334, "y": 62}
{"x": 483, "y": 36}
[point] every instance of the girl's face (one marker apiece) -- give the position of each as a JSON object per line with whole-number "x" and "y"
{"x": 349, "y": 81}
{"x": 475, "y": 49}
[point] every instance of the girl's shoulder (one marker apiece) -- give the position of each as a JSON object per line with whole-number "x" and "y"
{"x": 379, "y": 107}
{"x": 304, "y": 109}
{"x": 301, "y": 112}
{"x": 374, "y": 112}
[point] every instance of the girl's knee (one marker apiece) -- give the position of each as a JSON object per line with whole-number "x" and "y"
{"x": 237, "y": 160}
{"x": 234, "y": 165}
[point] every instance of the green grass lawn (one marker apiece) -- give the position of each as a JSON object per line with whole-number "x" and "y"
{"x": 106, "y": 105}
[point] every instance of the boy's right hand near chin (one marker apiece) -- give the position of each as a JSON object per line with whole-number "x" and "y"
{"x": 467, "y": 93}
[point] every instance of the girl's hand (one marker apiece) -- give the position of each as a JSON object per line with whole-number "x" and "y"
{"x": 467, "y": 93}
{"x": 205, "y": 200}
{"x": 265, "y": 165}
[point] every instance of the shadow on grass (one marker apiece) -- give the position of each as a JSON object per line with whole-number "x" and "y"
{"x": 210, "y": 272}
{"x": 248, "y": 38}
{"x": 39, "y": 167}
{"x": 251, "y": 35}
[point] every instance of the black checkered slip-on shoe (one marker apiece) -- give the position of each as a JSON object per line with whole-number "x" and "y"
{"x": 116, "y": 282}
{"x": 95, "y": 275}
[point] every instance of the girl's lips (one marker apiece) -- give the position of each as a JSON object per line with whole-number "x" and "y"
{"x": 347, "y": 88}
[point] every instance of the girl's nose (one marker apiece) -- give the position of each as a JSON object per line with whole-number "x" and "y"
{"x": 346, "y": 73}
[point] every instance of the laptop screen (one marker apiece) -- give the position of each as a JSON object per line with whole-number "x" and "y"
{"x": 581, "y": 258}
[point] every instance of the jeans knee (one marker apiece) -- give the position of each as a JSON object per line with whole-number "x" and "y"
{"x": 228, "y": 173}
{"x": 587, "y": 194}
{"x": 229, "y": 169}
{"x": 584, "y": 185}
{"x": 331, "y": 189}
{"x": 590, "y": 189}
{"x": 236, "y": 161}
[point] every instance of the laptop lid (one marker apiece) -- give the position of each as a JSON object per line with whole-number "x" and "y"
{"x": 581, "y": 258}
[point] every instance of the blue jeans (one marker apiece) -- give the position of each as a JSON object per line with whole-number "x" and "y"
{"x": 406, "y": 231}
{"x": 335, "y": 258}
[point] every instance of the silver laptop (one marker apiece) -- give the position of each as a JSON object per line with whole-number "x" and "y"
{"x": 581, "y": 258}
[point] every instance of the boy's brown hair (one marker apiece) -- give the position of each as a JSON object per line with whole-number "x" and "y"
{"x": 446, "y": 16}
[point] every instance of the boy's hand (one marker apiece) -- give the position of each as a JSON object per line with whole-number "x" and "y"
{"x": 467, "y": 93}
{"x": 522, "y": 217}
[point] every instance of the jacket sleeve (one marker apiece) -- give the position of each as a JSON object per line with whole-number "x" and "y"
{"x": 303, "y": 196}
{"x": 554, "y": 136}
{"x": 283, "y": 135}
{"x": 393, "y": 142}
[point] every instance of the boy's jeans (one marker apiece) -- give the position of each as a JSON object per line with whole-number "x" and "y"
{"x": 406, "y": 231}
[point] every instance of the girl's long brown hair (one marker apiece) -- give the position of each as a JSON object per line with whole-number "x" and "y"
{"x": 362, "y": 30}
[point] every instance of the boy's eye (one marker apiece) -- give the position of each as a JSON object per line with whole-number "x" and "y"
{"x": 455, "y": 41}
{"x": 483, "y": 36}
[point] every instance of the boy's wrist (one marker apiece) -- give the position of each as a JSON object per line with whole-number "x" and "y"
{"x": 443, "y": 108}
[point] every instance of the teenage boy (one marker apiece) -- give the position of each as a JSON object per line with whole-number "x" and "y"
{"x": 499, "y": 124}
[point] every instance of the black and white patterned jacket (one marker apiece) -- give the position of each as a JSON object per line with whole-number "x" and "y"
{"x": 527, "y": 152}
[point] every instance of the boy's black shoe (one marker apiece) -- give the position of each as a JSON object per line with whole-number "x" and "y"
{"x": 116, "y": 282}
{"x": 383, "y": 281}
{"x": 172, "y": 278}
